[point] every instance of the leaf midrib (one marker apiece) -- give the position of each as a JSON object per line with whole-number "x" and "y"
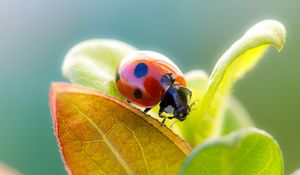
{"x": 138, "y": 142}
{"x": 108, "y": 143}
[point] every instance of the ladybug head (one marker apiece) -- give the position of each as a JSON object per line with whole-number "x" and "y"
{"x": 181, "y": 112}
{"x": 176, "y": 101}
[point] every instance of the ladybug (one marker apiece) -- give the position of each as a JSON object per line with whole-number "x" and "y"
{"x": 147, "y": 78}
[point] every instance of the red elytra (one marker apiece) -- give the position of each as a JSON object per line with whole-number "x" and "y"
{"x": 140, "y": 75}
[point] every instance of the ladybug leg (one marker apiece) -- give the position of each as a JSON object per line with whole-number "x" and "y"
{"x": 163, "y": 121}
{"x": 171, "y": 117}
{"x": 161, "y": 110}
{"x": 147, "y": 109}
{"x": 128, "y": 101}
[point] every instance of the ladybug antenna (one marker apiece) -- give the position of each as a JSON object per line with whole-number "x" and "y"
{"x": 195, "y": 102}
{"x": 173, "y": 123}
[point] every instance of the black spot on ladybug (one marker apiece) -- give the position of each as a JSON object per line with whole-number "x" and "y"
{"x": 117, "y": 77}
{"x": 137, "y": 94}
{"x": 141, "y": 70}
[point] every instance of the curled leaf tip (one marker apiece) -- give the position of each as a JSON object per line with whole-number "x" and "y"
{"x": 269, "y": 31}
{"x": 239, "y": 59}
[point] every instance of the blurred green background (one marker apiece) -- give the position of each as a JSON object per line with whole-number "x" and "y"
{"x": 35, "y": 35}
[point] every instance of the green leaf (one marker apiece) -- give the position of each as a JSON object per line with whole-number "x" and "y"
{"x": 236, "y": 117}
{"x": 241, "y": 57}
{"x": 197, "y": 81}
{"x": 248, "y": 152}
{"x": 93, "y": 63}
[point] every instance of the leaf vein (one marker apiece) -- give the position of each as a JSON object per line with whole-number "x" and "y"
{"x": 138, "y": 142}
{"x": 82, "y": 147}
{"x": 108, "y": 143}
